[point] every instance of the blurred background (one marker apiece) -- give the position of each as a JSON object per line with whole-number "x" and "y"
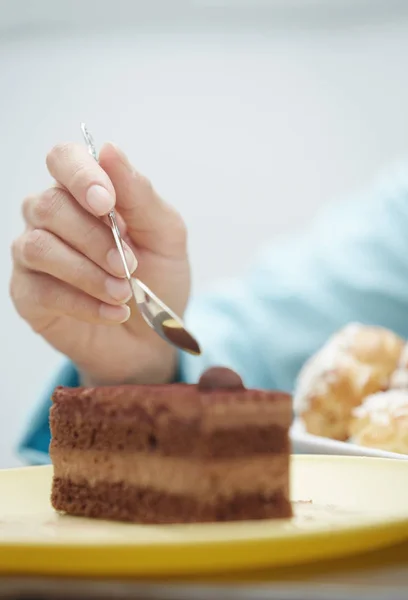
{"x": 246, "y": 114}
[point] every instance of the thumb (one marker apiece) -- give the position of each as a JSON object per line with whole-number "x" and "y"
{"x": 151, "y": 223}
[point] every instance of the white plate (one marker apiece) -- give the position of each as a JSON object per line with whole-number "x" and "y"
{"x": 305, "y": 443}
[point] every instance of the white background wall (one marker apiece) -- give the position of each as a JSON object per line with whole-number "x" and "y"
{"x": 247, "y": 116}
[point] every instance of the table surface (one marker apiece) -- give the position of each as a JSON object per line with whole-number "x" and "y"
{"x": 376, "y": 576}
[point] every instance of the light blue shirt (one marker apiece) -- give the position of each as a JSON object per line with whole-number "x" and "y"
{"x": 350, "y": 265}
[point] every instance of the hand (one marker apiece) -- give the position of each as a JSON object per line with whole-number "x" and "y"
{"x": 68, "y": 281}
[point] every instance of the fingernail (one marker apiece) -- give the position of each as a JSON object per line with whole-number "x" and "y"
{"x": 115, "y": 262}
{"x": 115, "y": 314}
{"x": 100, "y": 201}
{"x": 118, "y": 289}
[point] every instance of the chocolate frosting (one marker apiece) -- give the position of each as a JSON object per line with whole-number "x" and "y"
{"x": 217, "y": 378}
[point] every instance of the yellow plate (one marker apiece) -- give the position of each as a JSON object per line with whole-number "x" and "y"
{"x": 343, "y": 505}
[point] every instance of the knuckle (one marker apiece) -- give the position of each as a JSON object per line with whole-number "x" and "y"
{"x": 30, "y": 295}
{"x": 93, "y": 236}
{"x": 46, "y": 206}
{"x": 142, "y": 181}
{"x": 17, "y": 297}
{"x": 81, "y": 175}
{"x": 13, "y": 289}
{"x": 27, "y": 205}
{"x": 16, "y": 249}
{"x": 20, "y": 290}
{"x": 80, "y": 271}
{"x": 35, "y": 245}
{"x": 57, "y": 153}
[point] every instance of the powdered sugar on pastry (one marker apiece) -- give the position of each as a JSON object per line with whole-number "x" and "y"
{"x": 320, "y": 371}
{"x": 382, "y": 422}
{"x": 382, "y": 407}
{"x": 346, "y": 337}
{"x": 399, "y": 379}
{"x": 355, "y": 362}
{"x": 314, "y": 378}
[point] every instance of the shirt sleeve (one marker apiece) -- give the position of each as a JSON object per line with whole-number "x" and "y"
{"x": 33, "y": 447}
{"x": 350, "y": 265}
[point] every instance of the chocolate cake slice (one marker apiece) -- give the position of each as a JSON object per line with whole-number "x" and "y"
{"x": 173, "y": 453}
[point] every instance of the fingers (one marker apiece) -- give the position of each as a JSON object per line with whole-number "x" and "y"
{"x": 41, "y": 251}
{"x": 152, "y": 224}
{"x": 76, "y": 170}
{"x": 37, "y": 294}
{"x": 57, "y": 212}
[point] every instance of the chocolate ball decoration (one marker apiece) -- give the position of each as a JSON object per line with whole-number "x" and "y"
{"x": 217, "y": 378}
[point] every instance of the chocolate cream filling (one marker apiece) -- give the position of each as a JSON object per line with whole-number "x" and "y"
{"x": 206, "y": 479}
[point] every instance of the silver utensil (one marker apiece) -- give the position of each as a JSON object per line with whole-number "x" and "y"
{"x": 156, "y": 314}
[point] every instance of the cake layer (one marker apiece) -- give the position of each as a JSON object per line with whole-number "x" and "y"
{"x": 209, "y": 479}
{"x": 217, "y": 409}
{"x": 123, "y": 502}
{"x": 179, "y": 440}
{"x": 175, "y": 420}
